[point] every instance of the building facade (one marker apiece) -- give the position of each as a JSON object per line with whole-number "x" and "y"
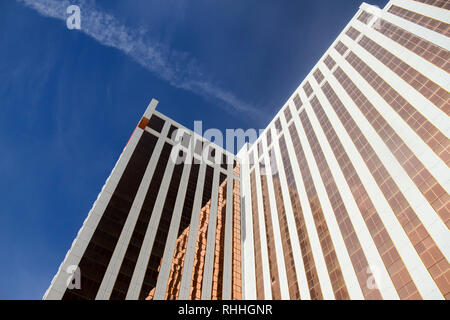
{"x": 166, "y": 224}
{"x": 345, "y": 195}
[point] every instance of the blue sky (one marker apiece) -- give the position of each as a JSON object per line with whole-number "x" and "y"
{"x": 69, "y": 99}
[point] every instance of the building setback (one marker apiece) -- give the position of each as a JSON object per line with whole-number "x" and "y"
{"x": 345, "y": 195}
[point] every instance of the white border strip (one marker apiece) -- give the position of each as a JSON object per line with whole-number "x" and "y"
{"x": 247, "y": 245}
{"x": 228, "y": 243}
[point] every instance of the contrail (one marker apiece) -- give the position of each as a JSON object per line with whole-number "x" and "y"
{"x": 175, "y": 67}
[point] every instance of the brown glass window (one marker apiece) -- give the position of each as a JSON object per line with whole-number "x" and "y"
{"x": 200, "y": 251}
{"x": 318, "y": 75}
{"x": 341, "y": 48}
{"x": 298, "y": 102}
{"x": 427, "y": 50}
{"x": 174, "y": 282}
{"x": 99, "y": 251}
{"x": 219, "y": 241}
{"x": 369, "y": 214}
{"x": 198, "y": 147}
{"x": 224, "y": 163}
{"x": 260, "y": 149}
{"x": 156, "y": 123}
{"x": 273, "y": 269}
{"x": 236, "y": 284}
{"x": 352, "y": 33}
{"x": 308, "y": 89}
{"x": 445, "y": 4}
{"x": 278, "y": 125}
{"x": 212, "y": 154}
{"x": 430, "y": 90}
{"x": 305, "y": 246}
{"x": 269, "y": 136}
{"x": 331, "y": 261}
{"x": 159, "y": 244}
{"x": 365, "y": 17}
{"x": 420, "y": 175}
{"x": 185, "y": 139}
{"x": 172, "y": 129}
{"x": 251, "y": 159}
{"x": 424, "y": 21}
{"x": 329, "y": 62}
{"x": 433, "y": 137}
{"x": 256, "y": 239}
{"x": 287, "y": 114}
{"x": 284, "y": 231}
{"x": 126, "y": 271}
{"x": 201, "y": 239}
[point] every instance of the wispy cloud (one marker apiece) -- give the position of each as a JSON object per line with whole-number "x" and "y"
{"x": 177, "y": 68}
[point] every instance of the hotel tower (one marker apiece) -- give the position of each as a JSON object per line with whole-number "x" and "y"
{"x": 344, "y": 195}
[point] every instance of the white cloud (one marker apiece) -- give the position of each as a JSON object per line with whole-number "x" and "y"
{"x": 177, "y": 68}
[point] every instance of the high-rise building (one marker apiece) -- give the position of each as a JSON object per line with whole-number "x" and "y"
{"x": 165, "y": 225}
{"x": 345, "y": 195}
